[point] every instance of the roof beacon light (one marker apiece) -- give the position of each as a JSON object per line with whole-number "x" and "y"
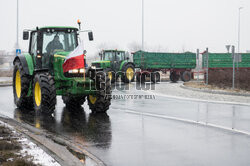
{"x": 79, "y": 23}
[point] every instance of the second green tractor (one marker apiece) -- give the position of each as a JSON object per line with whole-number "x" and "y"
{"x": 117, "y": 64}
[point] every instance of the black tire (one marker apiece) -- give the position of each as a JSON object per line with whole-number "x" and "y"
{"x": 100, "y": 102}
{"x": 155, "y": 77}
{"x": 45, "y": 85}
{"x": 73, "y": 101}
{"x": 186, "y": 76}
{"x": 174, "y": 77}
{"x": 126, "y": 77}
{"x": 20, "y": 98}
{"x": 138, "y": 77}
{"x": 111, "y": 75}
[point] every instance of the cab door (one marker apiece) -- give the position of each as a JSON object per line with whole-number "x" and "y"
{"x": 119, "y": 57}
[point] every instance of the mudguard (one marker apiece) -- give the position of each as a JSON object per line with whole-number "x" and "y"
{"x": 124, "y": 63}
{"x": 27, "y": 63}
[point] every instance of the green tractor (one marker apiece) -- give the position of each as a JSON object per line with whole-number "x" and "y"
{"x": 117, "y": 64}
{"x": 38, "y": 75}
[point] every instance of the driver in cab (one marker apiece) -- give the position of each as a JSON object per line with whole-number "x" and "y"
{"x": 54, "y": 45}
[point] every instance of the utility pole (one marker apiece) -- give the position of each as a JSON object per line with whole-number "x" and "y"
{"x": 17, "y": 25}
{"x": 233, "y": 55}
{"x": 207, "y": 55}
{"x": 198, "y": 60}
{"x": 142, "y": 44}
{"x": 239, "y": 34}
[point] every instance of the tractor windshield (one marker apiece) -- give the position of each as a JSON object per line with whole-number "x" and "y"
{"x": 58, "y": 41}
{"x": 109, "y": 56}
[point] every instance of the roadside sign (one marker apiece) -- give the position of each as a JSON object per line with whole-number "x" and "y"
{"x": 18, "y": 52}
{"x": 237, "y": 57}
{"x": 228, "y": 48}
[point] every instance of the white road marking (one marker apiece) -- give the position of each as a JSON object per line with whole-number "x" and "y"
{"x": 190, "y": 121}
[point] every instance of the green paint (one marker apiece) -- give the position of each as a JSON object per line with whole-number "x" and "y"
{"x": 156, "y": 60}
{"x": 29, "y": 61}
{"x": 225, "y": 60}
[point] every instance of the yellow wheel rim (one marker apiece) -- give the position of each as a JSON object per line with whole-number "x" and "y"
{"x": 92, "y": 99}
{"x": 38, "y": 95}
{"x": 18, "y": 84}
{"x": 130, "y": 73}
{"x": 110, "y": 75}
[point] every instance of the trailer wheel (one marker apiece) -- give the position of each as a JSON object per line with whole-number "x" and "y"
{"x": 21, "y": 83}
{"x": 44, "y": 93}
{"x": 155, "y": 77}
{"x": 100, "y": 102}
{"x": 174, "y": 77}
{"x": 186, "y": 76}
{"x": 73, "y": 101}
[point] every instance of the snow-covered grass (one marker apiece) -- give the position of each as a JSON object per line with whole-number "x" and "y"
{"x": 29, "y": 151}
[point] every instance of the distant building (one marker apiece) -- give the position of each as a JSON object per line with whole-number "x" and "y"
{"x": 248, "y": 51}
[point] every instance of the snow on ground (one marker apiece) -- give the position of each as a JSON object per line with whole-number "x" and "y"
{"x": 39, "y": 156}
{"x": 31, "y": 150}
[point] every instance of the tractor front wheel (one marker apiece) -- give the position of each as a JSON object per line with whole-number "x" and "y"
{"x": 100, "y": 102}
{"x": 21, "y": 83}
{"x": 73, "y": 101}
{"x": 111, "y": 75}
{"x": 44, "y": 93}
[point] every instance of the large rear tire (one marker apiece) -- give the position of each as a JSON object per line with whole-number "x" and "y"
{"x": 100, "y": 102}
{"x": 21, "y": 83}
{"x": 128, "y": 73}
{"x": 44, "y": 93}
{"x": 73, "y": 101}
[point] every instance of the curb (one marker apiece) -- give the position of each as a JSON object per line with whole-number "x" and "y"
{"x": 47, "y": 140}
{"x": 215, "y": 91}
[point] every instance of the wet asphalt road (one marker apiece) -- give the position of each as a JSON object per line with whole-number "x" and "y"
{"x": 128, "y": 135}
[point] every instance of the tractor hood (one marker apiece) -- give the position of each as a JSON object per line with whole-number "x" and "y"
{"x": 101, "y": 64}
{"x": 61, "y": 54}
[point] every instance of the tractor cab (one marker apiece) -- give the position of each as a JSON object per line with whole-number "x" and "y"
{"x": 45, "y": 42}
{"x": 115, "y": 57}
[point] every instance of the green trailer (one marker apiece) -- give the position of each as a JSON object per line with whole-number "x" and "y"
{"x": 150, "y": 63}
{"x": 225, "y": 60}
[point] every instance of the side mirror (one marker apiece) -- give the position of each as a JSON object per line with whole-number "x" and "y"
{"x": 91, "y": 38}
{"x": 25, "y": 35}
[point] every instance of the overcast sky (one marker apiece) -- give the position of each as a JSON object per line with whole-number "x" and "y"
{"x": 171, "y": 25}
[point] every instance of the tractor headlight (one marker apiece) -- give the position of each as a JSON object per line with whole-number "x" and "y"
{"x": 82, "y": 71}
{"x": 93, "y": 67}
{"x": 73, "y": 71}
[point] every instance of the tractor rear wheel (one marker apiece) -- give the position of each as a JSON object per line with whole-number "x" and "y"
{"x": 21, "y": 83}
{"x": 100, "y": 102}
{"x": 73, "y": 101}
{"x": 174, "y": 77}
{"x": 128, "y": 73}
{"x": 186, "y": 76}
{"x": 44, "y": 93}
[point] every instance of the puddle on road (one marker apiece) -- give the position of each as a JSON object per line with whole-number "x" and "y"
{"x": 87, "y": 129}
